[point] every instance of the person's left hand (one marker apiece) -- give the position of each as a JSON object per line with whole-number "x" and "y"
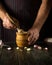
{"x": 33, "y": 35}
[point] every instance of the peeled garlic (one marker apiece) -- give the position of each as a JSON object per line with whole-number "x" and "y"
{"x": 28, "y": 49}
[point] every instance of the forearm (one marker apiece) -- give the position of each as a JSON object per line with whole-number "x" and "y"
{"x": 2, "y": 12}
{"x": 42, "y": 15}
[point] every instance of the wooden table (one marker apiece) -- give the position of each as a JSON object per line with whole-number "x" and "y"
{"x": 24, "y": 57}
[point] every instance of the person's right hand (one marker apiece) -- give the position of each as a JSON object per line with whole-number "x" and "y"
{"x": 3, "y": 16}
{"x": 6, "y": 23}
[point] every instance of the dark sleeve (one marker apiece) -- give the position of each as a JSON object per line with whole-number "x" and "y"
{"x": 50, "y": 3}
{"x": 0, "y": 1}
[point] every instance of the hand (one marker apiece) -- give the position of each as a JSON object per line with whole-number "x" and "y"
{"x": 6, "y": 23}
{"x": 33, "y": 35}
{"x": 6, "y": 20}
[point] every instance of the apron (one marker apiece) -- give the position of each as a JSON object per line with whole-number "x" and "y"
{"x": 24, "y": 10}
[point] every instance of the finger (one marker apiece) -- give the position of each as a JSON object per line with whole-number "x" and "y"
{"x": 31, "y": 41}
{"x": 34, "y": 39}
{"x": 13, "y": 27}
{"x": 5, "y": 26}
{"x": 29, "y": 33}
{"x": 30, "y": 37}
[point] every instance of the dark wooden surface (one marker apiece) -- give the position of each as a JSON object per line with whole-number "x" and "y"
{"x": 24, "y": 57}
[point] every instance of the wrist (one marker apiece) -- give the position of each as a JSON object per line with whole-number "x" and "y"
{"x": 2, "y": 14}
{"x": 36, "y": 27}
